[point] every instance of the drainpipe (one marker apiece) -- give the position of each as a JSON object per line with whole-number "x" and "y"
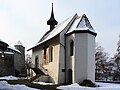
{"x": 65, "y": 60}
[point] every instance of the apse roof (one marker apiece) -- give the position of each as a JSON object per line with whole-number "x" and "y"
{"x": 81, "y": 23}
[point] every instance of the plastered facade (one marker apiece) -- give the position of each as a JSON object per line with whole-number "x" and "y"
{"x": 73, "y": 51}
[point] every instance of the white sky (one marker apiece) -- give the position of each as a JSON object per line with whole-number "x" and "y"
{"x": 26, "y": 20}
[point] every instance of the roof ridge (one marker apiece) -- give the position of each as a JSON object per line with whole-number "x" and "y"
{"x": 58, "y": 29}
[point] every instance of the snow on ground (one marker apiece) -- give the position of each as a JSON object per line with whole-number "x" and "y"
{"x": 9, "y": 78}
{"x": 44, "y": 83}
{"x": 108, "y": 84}
{"x": 5, "y": 86}
{"x": 102, "y": 86}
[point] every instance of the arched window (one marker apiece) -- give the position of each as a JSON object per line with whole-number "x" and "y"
{"x": 50, "y": 54}
{"x": 71, "y": 48}
{"x": 36, "y": 62}
{"x": 44, "y": 53}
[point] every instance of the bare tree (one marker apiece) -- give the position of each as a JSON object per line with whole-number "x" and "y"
{"x": 101, "y": 63}
{"x": 117, "y": 62}
{"x": 28, "y": 63}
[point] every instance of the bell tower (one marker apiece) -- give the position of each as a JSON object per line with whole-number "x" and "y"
{"x": 20, "y": 62}
{"x": 52, "y": 22}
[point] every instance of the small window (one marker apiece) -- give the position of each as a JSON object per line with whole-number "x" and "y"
{"x": 50, "y": 54}
{"x": 36, "y": 62}
{"x": 71, "y": 48}
{"x": 45, "y": 53}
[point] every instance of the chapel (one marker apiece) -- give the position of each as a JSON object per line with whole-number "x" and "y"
{"x": 66, "y": 52}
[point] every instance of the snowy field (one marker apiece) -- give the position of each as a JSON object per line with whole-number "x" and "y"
{"x": 102, "y": 86}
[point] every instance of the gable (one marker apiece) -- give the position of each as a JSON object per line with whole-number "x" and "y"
{"x": 78, "y": 24}
{"x": 57, "y": 30}
{"x": 81, "y": 24}
{"x": 84, "y": 22}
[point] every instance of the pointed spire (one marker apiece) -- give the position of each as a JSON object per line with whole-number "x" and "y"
{"x": 19, "y": 43}
{"x": 52, "y": 22}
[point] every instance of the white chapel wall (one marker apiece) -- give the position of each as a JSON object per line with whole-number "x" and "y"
{"x": 84, "y": 57}
{"x": 81, "y": 56}
{"x": 52, "y": 67}
{"x": 91, "y": 57}
{"x": 38, "y": 53}
{"x": 70, "y": 60}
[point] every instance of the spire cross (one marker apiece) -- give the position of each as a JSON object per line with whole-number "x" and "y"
{"x": 52, "y": 22}
{"x": 52, "y": 5}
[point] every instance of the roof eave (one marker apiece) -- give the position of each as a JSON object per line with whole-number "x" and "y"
{"x": 41, "y": 43}
{"x": 82, "y": 31}
{"x": 71, "y": 20}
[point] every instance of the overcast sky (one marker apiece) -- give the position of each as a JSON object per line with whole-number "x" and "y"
{"x": 26, "y": 20}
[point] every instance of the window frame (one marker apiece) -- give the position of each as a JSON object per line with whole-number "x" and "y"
{"x": 51, "y": 54}
{"x": 71, "y": 47}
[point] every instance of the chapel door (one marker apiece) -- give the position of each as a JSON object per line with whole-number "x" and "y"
{"x": 69, "y": 76}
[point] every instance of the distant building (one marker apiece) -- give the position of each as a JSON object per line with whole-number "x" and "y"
{"x": 66, "y": 53}
{"x": 12, "y": 59}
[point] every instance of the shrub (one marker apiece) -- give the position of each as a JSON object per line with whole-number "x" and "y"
{"x": 88, "y": 83}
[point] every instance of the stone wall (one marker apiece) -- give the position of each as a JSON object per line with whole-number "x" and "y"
{"x": 7, "y": 65}
{"x": 20, "y": 59}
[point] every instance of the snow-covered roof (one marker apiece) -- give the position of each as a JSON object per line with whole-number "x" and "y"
{"x": 59, "y": 28}
{"x": 8, "y": 52}
{"x": 78, "y": 23}
{"x": 3, "y": 41}
{"x": 81, "y": 23}
{"x": 14, "y": 49}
